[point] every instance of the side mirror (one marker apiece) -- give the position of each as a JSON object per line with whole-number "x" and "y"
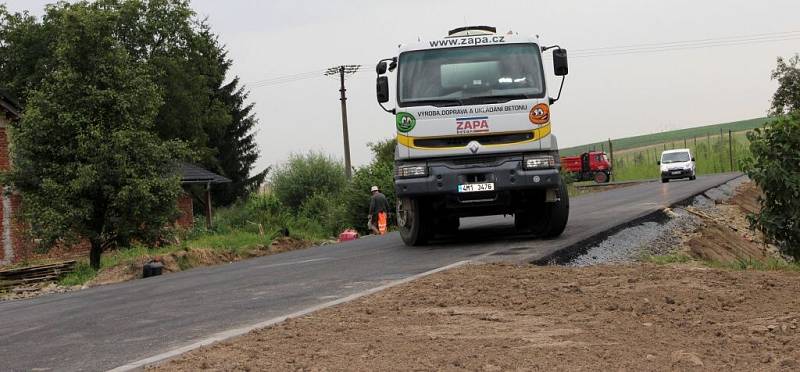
{"x": 381, "y": 68}
{"x": 692, "y": 158}
{"x": 658, "y": 162}
{"x": 560, "y": 66}
{"x": 383, "y": 89}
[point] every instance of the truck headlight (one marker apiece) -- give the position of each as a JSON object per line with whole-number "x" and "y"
{"x": 539, "y": 162}
{"x": 409, "y": 171}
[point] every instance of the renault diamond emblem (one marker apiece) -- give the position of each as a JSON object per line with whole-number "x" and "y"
{"x": 474, "y": 146}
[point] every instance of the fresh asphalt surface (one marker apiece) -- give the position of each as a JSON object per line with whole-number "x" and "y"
{"x": 105, "y": 327}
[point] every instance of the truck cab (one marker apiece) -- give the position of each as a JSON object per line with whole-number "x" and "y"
{"x": 474, "y": 133}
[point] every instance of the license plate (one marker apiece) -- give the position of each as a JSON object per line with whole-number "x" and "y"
{"x": 676, "y": 172}
{"x": 476, "y": 187}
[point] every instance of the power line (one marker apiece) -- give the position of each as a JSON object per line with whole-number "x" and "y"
{"x": 666, "y": 47}
{"x": 644, "y": 48}
{"x": 286, "y": 79}
{"x": 657, "y": 50}
{"x": 772, "y": 34}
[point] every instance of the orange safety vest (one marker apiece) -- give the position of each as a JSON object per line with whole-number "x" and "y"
{"x": 382, "y": 223}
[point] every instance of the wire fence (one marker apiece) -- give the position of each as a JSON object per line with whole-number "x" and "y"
{"x": 714, "y": 153}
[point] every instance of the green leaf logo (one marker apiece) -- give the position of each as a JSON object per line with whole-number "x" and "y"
{"x": 405, "y": 122}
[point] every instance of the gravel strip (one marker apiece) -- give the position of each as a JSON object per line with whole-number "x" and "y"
{"x": 654, "y": 238}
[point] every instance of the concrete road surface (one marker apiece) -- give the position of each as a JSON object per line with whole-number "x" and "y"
{"x": 106, "y": 327}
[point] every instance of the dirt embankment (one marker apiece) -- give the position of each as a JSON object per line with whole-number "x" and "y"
{"x": 725, "y": 234}
{"x": 499, "y": 317}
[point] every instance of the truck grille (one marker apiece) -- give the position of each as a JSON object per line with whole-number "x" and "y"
{"x": 462, "y": 141}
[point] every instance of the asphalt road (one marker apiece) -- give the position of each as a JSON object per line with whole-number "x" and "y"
{"x": 105, "y": 327}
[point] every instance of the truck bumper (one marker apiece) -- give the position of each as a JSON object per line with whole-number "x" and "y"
{"x": 507, "y": 175}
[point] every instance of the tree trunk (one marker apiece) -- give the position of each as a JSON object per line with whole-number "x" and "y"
{"x": 94, "y": 254}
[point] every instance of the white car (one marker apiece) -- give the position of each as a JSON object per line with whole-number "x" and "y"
{"x": 677, "y": 163}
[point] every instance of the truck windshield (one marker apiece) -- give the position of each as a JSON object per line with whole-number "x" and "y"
{"x": 470, "y": 75}
{"x": 675, "y": 157}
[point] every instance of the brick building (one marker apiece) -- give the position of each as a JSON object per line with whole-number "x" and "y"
{"x": 9, "y": 112}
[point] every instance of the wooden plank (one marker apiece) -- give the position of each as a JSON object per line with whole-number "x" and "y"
{"x": 10, "y": 279}
{"x": 25, "y": 269}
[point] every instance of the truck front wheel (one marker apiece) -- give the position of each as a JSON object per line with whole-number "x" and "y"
{"x": 412, "y": 222}
{"x": 547, "y": 221}
{"x": 553, "y": 219}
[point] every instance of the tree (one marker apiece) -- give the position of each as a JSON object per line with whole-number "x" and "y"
{"x": 236, "y": 147}
{"x": 25, "y": 52}
{"x": 86, "y": 156}
{"x": 775, "y": 168}
{"x": 787, "y": 98}
{"x": 775, "y": 162}
{"x": 186, "y": 60}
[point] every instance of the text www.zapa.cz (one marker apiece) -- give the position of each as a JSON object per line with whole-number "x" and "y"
{"x": 468, "y": 41}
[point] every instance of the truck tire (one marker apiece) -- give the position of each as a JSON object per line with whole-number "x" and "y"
{"x": 600, "y": 177}
{"x": 412, "y": 222}
{"x": 522, "y": 221}
{"x": 448, "y": 226}
{"x": 553, "y": 219}
{"x": 547, "y": 221}
{"x": 665, "y": 180}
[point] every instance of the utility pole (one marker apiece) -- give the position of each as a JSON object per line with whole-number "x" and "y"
{"x": 730, "y": 147}
{"x": 721, "y": 150}
{"x": 611, "y": 159}
{"x": 342, "y": 71}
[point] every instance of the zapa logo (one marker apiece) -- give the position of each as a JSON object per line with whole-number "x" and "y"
{"x": 405, "y": 122}
{"x": 472, "y": 125}
{"x": 540, "y": 114}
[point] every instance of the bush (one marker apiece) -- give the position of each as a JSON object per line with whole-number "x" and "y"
{"x": 325, "y": 210}
{"x": 775, "y": 168}
{"x": 312, "y": 199}
{"x": 247, "y": 215}
{"x": 305, "y": 175}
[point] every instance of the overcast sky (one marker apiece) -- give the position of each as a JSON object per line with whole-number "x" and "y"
{"x": 610, "y": 96}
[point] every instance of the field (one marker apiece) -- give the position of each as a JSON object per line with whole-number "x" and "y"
{"x": 712, "y": 153}
{"x": 715, "y": 149}
{"x": 667, "y": 137}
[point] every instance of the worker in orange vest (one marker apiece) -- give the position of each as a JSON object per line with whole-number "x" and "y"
{"x": 378, "y": 212}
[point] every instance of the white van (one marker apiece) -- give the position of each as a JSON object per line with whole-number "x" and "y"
{"x": 678, "y": 163}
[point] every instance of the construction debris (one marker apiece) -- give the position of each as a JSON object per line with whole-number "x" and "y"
{"x": 27, "y": 277}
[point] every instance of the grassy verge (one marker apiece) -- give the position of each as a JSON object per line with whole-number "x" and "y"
{"x": 236, "y": 244}
{"x": 243, "y": 230}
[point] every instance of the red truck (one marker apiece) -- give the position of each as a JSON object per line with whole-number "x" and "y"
{"x": 593, "y": 165}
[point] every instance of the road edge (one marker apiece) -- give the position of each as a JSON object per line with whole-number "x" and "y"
{"x": 569, "y": 253}
{"x": 239, "y": 331}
